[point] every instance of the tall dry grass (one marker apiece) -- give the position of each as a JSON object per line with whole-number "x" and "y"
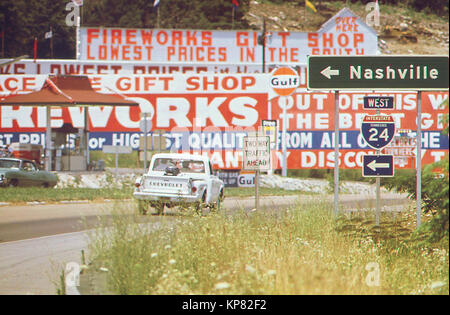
{"x": 303, "y": 250}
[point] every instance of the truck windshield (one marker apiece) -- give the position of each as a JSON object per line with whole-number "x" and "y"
{"x": 185, "y": 166}
{"x": 9, "y": 164}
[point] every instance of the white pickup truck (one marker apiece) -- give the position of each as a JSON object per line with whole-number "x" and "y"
{"x": 178, "y": 179}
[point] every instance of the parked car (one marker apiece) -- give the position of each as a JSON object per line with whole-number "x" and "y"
{"x": 20, "y": 172}
{"x": 175, "y": 179}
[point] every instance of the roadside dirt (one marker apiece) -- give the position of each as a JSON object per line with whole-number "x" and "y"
{"x": 402, "y": 31}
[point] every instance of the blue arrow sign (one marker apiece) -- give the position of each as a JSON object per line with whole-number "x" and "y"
{"x": 378, "y": 166}
{"x": 378, "y": 130}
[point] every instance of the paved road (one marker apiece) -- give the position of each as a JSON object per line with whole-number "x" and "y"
{"x": 33, "y": 265}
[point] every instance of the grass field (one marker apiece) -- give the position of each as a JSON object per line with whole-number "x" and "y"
{"x": 19, "y": 195}
{"x": 299, "y": 251}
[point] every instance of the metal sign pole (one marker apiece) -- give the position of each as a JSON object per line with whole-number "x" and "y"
{"x": 159, "y": 147}
{"x": 378, "y": 210}
{"x": 419, "y": 159}
{"x": 336, "y": 153}
{"x": 117, "y": 162}
{"x": 48, "y": 142}
{"x": 257, "y": 190}
{"x": 145, "y": 141}
{"x": 283, "y": 141}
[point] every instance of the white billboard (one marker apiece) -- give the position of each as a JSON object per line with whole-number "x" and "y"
{"x": 343, "y": 34}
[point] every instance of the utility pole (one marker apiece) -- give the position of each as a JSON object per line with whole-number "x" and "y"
{"x": 263, "y": 36}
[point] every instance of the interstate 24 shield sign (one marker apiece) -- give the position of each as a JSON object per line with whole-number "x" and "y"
{"x": 378, "y": 130}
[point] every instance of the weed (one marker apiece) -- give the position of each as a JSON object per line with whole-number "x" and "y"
{"x": 301, "y": 250}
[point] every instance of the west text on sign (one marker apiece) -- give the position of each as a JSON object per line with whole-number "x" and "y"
{"x": 378, "y": 102}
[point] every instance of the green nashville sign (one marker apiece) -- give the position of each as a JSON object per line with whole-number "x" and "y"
{"x": 378, "y": 72}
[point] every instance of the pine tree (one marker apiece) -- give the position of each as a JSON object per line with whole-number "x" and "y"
{"x": 23, "y": 20}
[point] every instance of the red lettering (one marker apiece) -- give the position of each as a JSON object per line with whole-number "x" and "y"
{"x": 327, "y": 39}
{"x": 358, "y": 38}
{"x": 116, "y": 69}
{"x": 343, "y": 40}
{"x": 130, "y": 37}
{"x": 223, "y": 54}
{"x": 197, "y": 55}
{"x": 146, "y": 37}
{"x": 191, "y": 39}
{"x": 241, "y": 38}
{"x": 102, "y": 52}
{"x": 248, "y": 81}
{"x": 177, "y": 38}
{"x": 313, "y": 39}
{"x": 138, "y": 70}
{"x": 137, "y": 52}
{"x": 116, "y": 36}
{"x": 166, "y": 81}
{"x": 207, "y": 38}
{"x": 126, "y": 85}
{"x": 148, "y": 81}
{"x": 89, "y": 53}
{"x": 100, "y": 69}
{"x": 192, "y": 84}
{"x": 211, "y": 52}
{"x": 162, "y": 37}
{"x": 91, "y": 34}
{"x": 283, "y": 37}
{"x": 114, "y": 52}
{"x": 170, "y": 53}
{"x": 8, "y": 84}
{"x": 125, "y": 52}
{"x": 86, "y": 69}
{"x": 28, "y": 84}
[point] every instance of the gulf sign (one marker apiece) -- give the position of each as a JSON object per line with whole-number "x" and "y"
{"x": 284, "y": 81}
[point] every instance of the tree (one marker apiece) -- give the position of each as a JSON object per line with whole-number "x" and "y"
{"x": 174, "y": 14}
{"x": 23, "y": 20}
{"x": 435, "y": 184}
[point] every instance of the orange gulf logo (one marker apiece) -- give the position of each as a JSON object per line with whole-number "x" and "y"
{"x": 284, "y": 81}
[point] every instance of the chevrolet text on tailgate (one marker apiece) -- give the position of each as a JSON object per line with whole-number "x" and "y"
{"x": 178, "y": 180}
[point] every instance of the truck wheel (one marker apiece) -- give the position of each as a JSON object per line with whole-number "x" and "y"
{"x": 218, "y": 204}
{"x": 142, "y": 207}
{"x": 14, "y": 183}
{"x": 201, "y": 204}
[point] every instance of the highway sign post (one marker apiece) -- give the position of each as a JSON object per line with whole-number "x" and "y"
{"x": 145, "y": 125}
{"x": 256, "y": 157}
{"x": 380, "y": 73}
{"x": 378, "y": 131}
